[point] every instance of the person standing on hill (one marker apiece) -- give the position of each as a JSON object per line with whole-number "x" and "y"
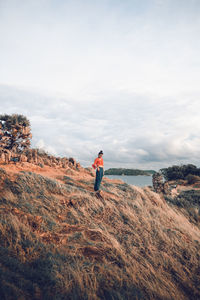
{"x": 98, "y": 165}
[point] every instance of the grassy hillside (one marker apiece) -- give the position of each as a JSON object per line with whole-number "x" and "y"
{"x": 58, "y": 241}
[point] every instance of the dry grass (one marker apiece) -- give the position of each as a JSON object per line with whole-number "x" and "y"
{"x": 58, "y": 241}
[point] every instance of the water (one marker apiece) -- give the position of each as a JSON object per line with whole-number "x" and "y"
{"x": 139, "y": 180}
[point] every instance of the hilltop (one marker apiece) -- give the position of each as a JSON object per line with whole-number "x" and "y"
{"x": 58, "y": 241}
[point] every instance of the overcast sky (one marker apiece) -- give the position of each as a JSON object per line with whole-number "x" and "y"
{"x": 121, "y": 76}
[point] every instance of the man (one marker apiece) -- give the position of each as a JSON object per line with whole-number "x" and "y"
{"x": 98, "y": 165}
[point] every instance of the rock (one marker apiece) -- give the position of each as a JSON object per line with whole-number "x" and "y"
{"x": 40, "y": 161}
{"x": 46, "y": 161}
{"x": 157, "y": 179}
{"x": 2, "y": 157}
{"x": 166, "y": 188}
{"x": 159, "y": 185}
{"x": 64, "y": 165}
{"x": 72, "y": 162}
{"x": 36, "y": 157}
{"x": 5, "y": 156}
{"x": 23, "y": 158}
{"x": 78, "y": 166}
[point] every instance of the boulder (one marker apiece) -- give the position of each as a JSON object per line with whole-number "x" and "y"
{"x": 2, "y": 157}
{"x": 78, "y": 166}
{"x": 72, "y": 162}
{"x": 46, "y": 161}
{"x": 23, "y": 158}
{"x": 157, "y": 179}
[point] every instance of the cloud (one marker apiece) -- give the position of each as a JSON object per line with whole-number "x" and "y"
{"x": 138, "y": 131}
{"x": 122, "y": 76}
{"x": 80, "y": 49}
{"x": 42, "y": 146}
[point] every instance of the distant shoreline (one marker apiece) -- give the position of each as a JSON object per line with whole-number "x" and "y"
{"x": 128, "y": 172}
{"x": 127, "y": 175}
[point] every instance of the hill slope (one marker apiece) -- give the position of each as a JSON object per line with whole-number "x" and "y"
{"x": 58, "y": 241}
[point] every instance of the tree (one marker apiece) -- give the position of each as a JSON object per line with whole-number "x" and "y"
{"x": 15, "y": 133}
{"x": 172, "y": 173}
{"x": 180, "y": 172}
{"x": 189, "y": 169}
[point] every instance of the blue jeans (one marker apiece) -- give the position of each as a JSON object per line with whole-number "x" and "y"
{"x": 99, "y": 176}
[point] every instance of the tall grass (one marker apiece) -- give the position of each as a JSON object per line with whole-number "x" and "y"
{"x": 58, "y": 241}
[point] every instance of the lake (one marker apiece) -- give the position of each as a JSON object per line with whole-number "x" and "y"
{"x": 139, "y": 180}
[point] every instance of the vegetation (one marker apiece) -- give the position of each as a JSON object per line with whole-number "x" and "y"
{"x": 129, "y": 172}
{"x": 58, "y": 241}
{"x": 180, "y": 172}
{"x": 191, "y": 179}
{"x": 188, "y": 202}
{"x": 15, "y": 132}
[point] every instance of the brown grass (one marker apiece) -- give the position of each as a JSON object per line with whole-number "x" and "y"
{"x": 58, "y": 241}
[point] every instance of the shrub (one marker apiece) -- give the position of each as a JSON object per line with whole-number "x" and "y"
{"x": 15, "y": 132}
{"x": 191, "y": 179}
{"x": 180, "y": 172}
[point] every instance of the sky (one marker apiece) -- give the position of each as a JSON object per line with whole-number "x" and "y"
{"x": 111, "y": 75}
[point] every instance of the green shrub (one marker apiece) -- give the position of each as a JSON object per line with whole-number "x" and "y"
{"x": 191, "y": 179}
{"x": 180, "y": 172}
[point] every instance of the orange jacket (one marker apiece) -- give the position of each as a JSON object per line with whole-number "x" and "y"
{"x": 98, "y": 162}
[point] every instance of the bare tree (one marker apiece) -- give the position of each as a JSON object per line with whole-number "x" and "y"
{"x": 15, "y": 133}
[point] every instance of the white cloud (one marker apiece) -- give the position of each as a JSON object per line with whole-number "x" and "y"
{"x": 42, "y": 146}
{"x": 122, "y": 76}
{"x": 81, "y": 49}
{"x": 136, "y": 132}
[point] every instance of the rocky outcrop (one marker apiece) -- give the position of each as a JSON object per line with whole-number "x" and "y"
{"x": 159, "y": 185}
{"x": 5, "y": 156}
{"x": 15, "y": 136}
{"x": 37, "y": 157}
{"x": 157, "y": 180}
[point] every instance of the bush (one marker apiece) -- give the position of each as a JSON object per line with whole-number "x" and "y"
{"x": 191, "y": 179}
{"x": 15, "y": 132}
{"x": 180, "y": 172}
